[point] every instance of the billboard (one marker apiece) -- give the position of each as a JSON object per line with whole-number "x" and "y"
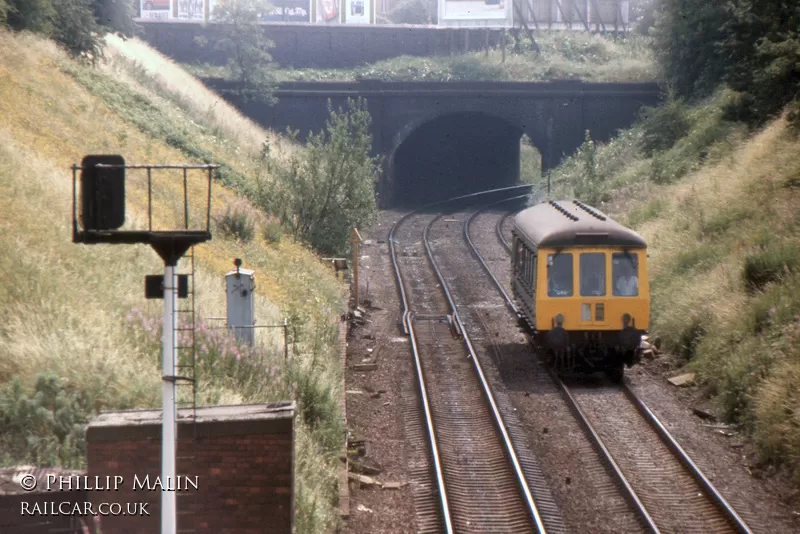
{"x": 359, "y": 11}
{"x": 288, "y": 11}
{"x": 343, "y": 11}
{"x": 476, "y": 13}
{"x": 191, "y": 9}
{"x": 155, "y": 9}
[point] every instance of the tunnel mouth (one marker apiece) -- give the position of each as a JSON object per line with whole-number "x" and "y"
{"x": 452, "y": 155}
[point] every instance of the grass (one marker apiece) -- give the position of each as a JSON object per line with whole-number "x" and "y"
{"x": 565, "y": 55}
{"x": 72, "y": 318}
{"x": 721, "y": 215}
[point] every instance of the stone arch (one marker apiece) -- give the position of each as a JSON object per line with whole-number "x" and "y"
{"x": 452, "y": 152}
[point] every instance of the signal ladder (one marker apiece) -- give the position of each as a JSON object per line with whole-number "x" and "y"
{"x": 186, "y": 382}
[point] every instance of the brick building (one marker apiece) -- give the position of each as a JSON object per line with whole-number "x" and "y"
{"x": 240, "y": 458}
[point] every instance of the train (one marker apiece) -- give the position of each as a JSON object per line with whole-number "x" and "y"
{"x": 580, "y": 284}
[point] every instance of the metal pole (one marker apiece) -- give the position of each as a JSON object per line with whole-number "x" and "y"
{"x": 168, "y": 394}
{"x": 548, "y": 185}
{"x": 355, "y": 270}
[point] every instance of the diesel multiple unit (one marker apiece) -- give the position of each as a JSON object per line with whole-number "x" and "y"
{"x": 580, "y": 282}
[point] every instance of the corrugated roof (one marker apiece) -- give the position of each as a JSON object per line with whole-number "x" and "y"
{"x": 565, "y": 223}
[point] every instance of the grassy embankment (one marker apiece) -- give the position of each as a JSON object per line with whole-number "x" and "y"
{"x": 76, "y": 334}
{"x": 720, "y": 209}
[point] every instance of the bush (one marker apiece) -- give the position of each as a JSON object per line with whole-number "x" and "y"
{"x": 694, "y": 330}
{"x": 769, "y": 265}
{"x": 325, "y": 192}
{"x": 662, "y": 126}
{"x": 236, "y": 223}
{"x": 272, "y": 231}
{"x": 47, "y": 426}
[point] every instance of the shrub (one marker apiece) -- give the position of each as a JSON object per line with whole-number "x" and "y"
{"x": 45, "y": 427}
{"x": 272, "y": 231}
{"x": 324, "y": 193}
{"x": 664, "y": 125}
{"x": 769, "y": 265}
{"x": 695, "y": 327}
{"x": 236, "y": 223}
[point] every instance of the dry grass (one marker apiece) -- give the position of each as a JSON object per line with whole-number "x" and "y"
{"x": 203, "y": 104}
{"x": 63, "y": 306}
{"x": 701, "y": 233}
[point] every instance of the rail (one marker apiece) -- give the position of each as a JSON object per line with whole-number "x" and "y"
{"x": 654, "y": 422}
{"x": 409, "y": 329}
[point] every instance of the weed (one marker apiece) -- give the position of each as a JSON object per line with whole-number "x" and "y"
{"x": 272, "y": 231}
{"x": 236, "y": 223}
{"x": 646, "y": 212}
{"x": 769, "y": 265}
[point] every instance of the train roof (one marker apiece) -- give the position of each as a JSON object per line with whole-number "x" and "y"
{"x": 566, "y": 223}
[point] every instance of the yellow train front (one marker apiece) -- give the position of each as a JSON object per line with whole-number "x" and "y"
{"x": 580, "y": 283}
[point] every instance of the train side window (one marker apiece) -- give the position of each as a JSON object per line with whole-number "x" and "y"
{"x": 625, "y": 274}
{"x": 593, "y": 274}
{"x": 559, "y": 275}
{"x": 532, "y": 278}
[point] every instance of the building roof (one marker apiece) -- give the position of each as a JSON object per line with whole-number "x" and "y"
{"x": 567, "y": 223}
{"x": 203, "y": 414}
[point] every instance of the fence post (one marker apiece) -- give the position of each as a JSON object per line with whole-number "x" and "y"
{"x": 355, "y": 239}
{"x": 285, "y": 341}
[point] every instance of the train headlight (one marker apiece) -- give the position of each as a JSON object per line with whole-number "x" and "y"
{"x": 586, "y": 312}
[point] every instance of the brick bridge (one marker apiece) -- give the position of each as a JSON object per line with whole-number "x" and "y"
{"x": 439, "y": 139}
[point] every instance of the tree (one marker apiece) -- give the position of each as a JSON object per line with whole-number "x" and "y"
{"x": 686, "y": 37}
{"x": 323, "y": 192}
{"x": 247, "y": 46}
{"x": 77, "y": 25}
{"x": 751, "y": 45}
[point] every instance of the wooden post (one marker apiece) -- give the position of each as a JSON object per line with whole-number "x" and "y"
{"x": 503, "y": 45}
{"x": 355, "y": 240}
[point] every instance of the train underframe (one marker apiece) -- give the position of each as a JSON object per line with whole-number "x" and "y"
{"x": 587, "y": 351}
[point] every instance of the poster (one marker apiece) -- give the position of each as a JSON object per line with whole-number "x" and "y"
{"x": 358, "y": 11}
{"x": 288, "y": 11}
{"x": 329, "y": 9}
{"x": 191, "y": 9}
{"x": 476, "y": 13}
{"x": 155, "y": 9}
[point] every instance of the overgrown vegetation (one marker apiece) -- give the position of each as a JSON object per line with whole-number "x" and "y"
{"x": 751, "y": 45}
{"x": 565, "y": 55}
{"x": 719, "y": 210}
{"x": 77, "y": 25}
{"x": 247, "y": 47}
{"x": 329, "y": 189}
{"x": 74, "y": 347}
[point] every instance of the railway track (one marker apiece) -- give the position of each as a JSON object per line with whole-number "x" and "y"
{"x": 656, "y": 476}
{"x": 480, "y": 485}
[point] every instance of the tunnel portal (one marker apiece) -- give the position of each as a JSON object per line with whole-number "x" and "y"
{"x": 455, "y": 154}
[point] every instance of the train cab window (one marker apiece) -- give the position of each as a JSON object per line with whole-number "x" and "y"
{"x": 593, "y": 274}
{"x": 559, "y": 275}
{"x": 625, "y": 274}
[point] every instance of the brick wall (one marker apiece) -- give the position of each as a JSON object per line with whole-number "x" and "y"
{"x": 243, "y": 461}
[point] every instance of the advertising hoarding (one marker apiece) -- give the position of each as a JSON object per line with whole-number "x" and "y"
{"x": 359, "y": 11}
{"x": 191, "y": 9}
{"x": 288, "y": 11}
{"x": 155, "y": 9}
{"x": 476, "y": 13}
